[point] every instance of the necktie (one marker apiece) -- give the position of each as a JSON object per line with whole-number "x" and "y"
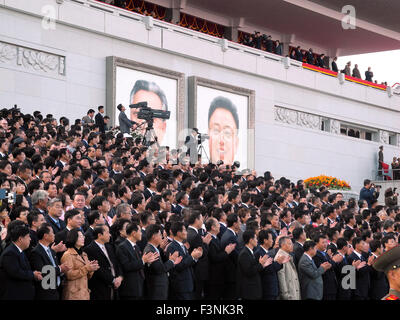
{"x": 103, "y": 248}
{"x": 184, "y": 249}
{"x": 58, "y": 224}
{"x": 53, "y": 264}
{"x": 139, "y": 256}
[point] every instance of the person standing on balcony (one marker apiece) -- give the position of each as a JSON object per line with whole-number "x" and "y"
{"x": 310, "y": 56}
{"x": 380, "y": 160}
{"x": 356, "y": 72}
{"x": 346, "y": 69}
{"x": 369, "y": 74}
{"x": 334, "y": 65}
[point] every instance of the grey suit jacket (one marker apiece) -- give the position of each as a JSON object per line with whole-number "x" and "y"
{"x": 124, "y": 123}
{"x": 310, "y": 277}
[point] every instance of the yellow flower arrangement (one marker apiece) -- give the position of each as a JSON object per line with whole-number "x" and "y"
{"x": 329, "y": 182}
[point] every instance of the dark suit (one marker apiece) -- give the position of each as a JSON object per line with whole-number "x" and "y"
{"x": 222, "y": 229}
{"x": 297, "y": 253}
{"x": 55, "y": 227}
{"x": 157, "y": 275}
{"x": 362, "y": 279}
{"x": 181, "y": 277}
{"x": 133, "y": 271}
{"x": 142, "y": 243}
{"x": 334, "y": 67}
{"x": 201, "y": 267}
{"x": 178, "y": 209}
{"x": 379, "y": 285}
{"x": 147, "y": 193}
{"x": 99, "y": 120}
{"x": 248, "y": 276}
{"x": 88, "y": 236}
{"x": 101, "y": 283}
{"x": 231, "y": 264}
{"x": 16, "y": 276}
{"x": 310, "y": 57}
{"x": 329, "y": 276}
{"x": 342, "y": 294}
{"x": 369, "y": 75}
{"x": 269, "y": 276}
{"x": 38, "y": 259}
{"x": 217, "y": 258}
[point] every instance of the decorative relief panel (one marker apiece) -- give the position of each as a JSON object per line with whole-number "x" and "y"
{"x": 30, "y": 59}
{"x": 313, "y": 121}
{"x": 383, "y": 137}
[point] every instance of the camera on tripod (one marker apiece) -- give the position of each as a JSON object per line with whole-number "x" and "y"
{"x": 202, "y": 137}
{"x": 148, "y": 114}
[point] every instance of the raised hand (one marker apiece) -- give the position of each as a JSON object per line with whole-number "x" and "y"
{"x": 337, "y": 258}
{"x": 230, "y": 247}
{"x": 268, "y": 261}
{"x": 38, "y": 275}
{"x": 60, "y": 247}
{"x": 207, "y": 238}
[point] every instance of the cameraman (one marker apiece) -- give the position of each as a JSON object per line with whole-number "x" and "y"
{"x": 391, "y": 197}
{"x": 368, "y": 192}
{"x": 191, "y": 143}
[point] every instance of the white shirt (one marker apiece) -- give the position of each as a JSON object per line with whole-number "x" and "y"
{"x": 232, "y": 231}
{"x": 358, "y": 254}
{"x": 308, "y": 256}
{"x": 18, "y": 248}
{"x": 252, "y": 253}
{"x": 197, "y": 231}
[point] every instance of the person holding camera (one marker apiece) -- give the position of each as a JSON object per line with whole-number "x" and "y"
{"x": 369, "y": 192}
{"x": 395, "y": 168}
{"x": 124, "y": 123}
{"x": 391, "y": 197}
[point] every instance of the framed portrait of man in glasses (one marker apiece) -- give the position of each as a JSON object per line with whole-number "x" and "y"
{"x": 225, "y": 114}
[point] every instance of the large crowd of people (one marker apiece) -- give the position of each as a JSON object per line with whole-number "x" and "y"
{"x": 89, "y": 214}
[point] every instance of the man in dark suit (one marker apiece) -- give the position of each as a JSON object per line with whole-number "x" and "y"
{"x": 310, "y": 276}
{"x": 217, "y": 257}
{"x": 369, "y": 74}
{"x": 99, "y": 119}
{"x": 299, "y": 54}
{"x": 146, "y": 218}
{"x": 269, "y": 275}
{"x": 334, "y": 65}
{"x": 320, "y": 61}
{"x": 362, "y": 269}
{"x": 157, "y": 272}
{"x": 248, "y": 269}
{"x": 231, "y": 236}
{"x": 107, "y": 279}
{"x": 379, "y": 283}
{"x": 42, "y": 255}
{"x": 54, "y": 207}
{"x": 310, "y": 56}
{"x": 183, "y": 201}
{"x": 299, "y": 237}
{"x": 125, "y": 124}
{"x": 74, "y": 220}
{"x": 329, "y": 277}
{"x": 16, "y": 276}
{"x": 342, "y": 249}
{"x": 132, "y": 263}
{"x": 195, "y": 240}
{"x": 94, "y": 219}
{"x": 181, "y": 277}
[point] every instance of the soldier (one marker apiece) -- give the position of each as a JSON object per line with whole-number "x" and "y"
{"x": 389, "y": 262}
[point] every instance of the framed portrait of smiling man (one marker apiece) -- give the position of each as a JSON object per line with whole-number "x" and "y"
{"x": 226, "y": 114}
{"x": 130, "y": 82}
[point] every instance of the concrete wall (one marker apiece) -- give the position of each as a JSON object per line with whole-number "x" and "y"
{"x": 85, "y": 35}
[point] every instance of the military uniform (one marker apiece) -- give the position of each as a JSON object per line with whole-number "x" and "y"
{"x": 390, "y": 260}
{"x": 392, "y": 295}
